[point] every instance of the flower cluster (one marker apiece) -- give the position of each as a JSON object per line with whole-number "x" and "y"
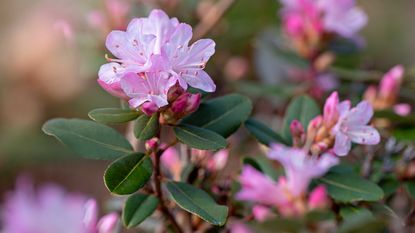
{"x": 337, "y": 128}
{"x": 289, "y": 194}
{"x": 51, "y": 210}
{"x": 153, "y": 55}
{"x": 308, "y": 22}
{"x": 386, "y": 96}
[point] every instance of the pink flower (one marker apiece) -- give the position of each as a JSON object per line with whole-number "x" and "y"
{"x": 258, "y": 188}
{"x": 218, "y": 161}
{"x": 342, "y": 17}
{"x": 402, "y": 109}
{"x": 261, "y": 213}
{"x": 107, "y": 224}
{"x": 352, "y": 127}
{"x": 299, "y": 167}
{"x": 147, "y": 87}
{"x": 171, "y": 161}
{"x": 391, "y": 82}
{"x": 158, "y": 43}
{"x": 50, "y": 210}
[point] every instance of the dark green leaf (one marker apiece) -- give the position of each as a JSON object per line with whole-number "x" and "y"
{"x": 198, "y": 202}
{"x": 146, "y": 127}
{"x": 261, "y": 132}
{"x": 347, "y": 211}
{"x": 389, "y": 185}
{"x": 410, "y": 188}
{"x": 361, "y": 222}
{"x": 199, "y": 138}
{"x": 89, "y": 139}
{"x": 350, "y": 188}
{"x": 385, "y": 210}
{"x": 263, "y": 165}
{"x": 303, "y": 109}
{"x": 222, "y": 115}
{"x": 137, "y": 208}
{"x": 128, "y": 174}
{"x": 113, "y": 115}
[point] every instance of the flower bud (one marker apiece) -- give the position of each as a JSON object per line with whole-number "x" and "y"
{"x": 313, "y": 127}
{"x": 193, "y": 103}
{"x": 218, "y": 160}
{"x": 297, "y": 132}
{"x": 174, "y": 92}
{"x": 330, "y": 110}
{"x": 318, "y": 198}
{"x": 149, "y": 108}
{"x": 391, "y": 81}
{"x": 152, "y": 144}
{"x": 402, "y": 109}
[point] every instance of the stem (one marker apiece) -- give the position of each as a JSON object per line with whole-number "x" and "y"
{"x": 159, "y": 192}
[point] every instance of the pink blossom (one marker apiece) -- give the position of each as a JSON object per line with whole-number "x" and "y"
{"x": 352, "y": 126}
{"x": 391, "y": 82}
{"x": 51, "y": 210}
{"x": 218, "y": 160}
{"x": 299, "y": 167}
{"x": 186, "y": 103}
{"x": 261, "y": 213}
{"x": 147, "y": 87}
{"x": 342, "y": 17}
{"x": 171, "y": 161}
{"x": 318, "y": 198}
{"x": 258, "y": 188}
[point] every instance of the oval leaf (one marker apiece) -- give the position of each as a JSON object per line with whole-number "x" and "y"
{"x": 88, "y": 139}
{"x": 146, "y": 127}
{"x": 222, "y": 115}
{"x": 128, "y": 174}
{"x": 302, "y": 108}
{"x": 199, "y": 138}
{"x": 350, "y": 188}
{"x": 410, "y": 188}
{"x": 137, "y": 208}
{"x": 113, "y": 115}
{"x": 262, "y": 133}
{"x": 198, "y": 202}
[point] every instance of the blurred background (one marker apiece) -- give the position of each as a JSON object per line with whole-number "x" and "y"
{"x": 51, "y": 51}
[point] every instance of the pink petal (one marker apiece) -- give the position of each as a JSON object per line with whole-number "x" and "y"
{"x": 108, "y": 223}
{"x": 117, "y": 43}
{"x": 343, "y": 107}
{"x": 360, "y": 115}
{"x": 111, "y": 72}
{"x": 91, "y": 215}
{"x": 330, "y": 109}
{"x": 200, "y": 80}
{"x": 318, "y": 198}
{"x": 402, "y": 109}
{"x": 366, "y": 135}
{"x": 342, "y": 144}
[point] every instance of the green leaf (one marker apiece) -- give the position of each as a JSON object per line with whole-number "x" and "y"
{"x": 198, "y": 202}
{"x": 361, "y": 222}
{"x": 128, "y": 174}
{"x": 146, "y": 127}
{"x": 261, "y": 132}
{"x": 350, "y": 188}
{"x": 199, "y": 138}
{"x": 386, "y": 211}
{"x": 303, "y": 109}
{"x": 262, "y": 164}
{"x": 410, "y": 188}
{"x": 113, "y": 115}
{"x": 222, "y": 115}
{"x": 88, "y": 139}
{"x": 137, "y": 208}
{"x": 389, "y": 184}
{"x": 347, "y": 211}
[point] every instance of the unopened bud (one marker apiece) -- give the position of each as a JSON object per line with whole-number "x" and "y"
{"x": 297, "y": 132}
{"x": 391, "y": 81}
{"x": 330, "y": 110}
{"x": 152, "y": 144}
{"x": 370, "y": 94}
{"x": 108, "y": 223}
{"x": 149, "y": 108}
{"x": 193, "y": 102}
{"x": 174, "y": 92}
{"x": 318, "y": 198}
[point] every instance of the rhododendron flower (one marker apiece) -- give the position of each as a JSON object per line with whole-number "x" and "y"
{"x": 154, "y": 44}
{"x": 352, "y": 127}
{"x": 51, "y": 210}
{"x": 331, "y": 114}
{"x": 299, "y": 167}
{"x": 147, "y": 87}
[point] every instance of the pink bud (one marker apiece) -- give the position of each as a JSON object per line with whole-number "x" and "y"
{"x": 91, "y": 214}
{"x": 174, "y": 92}
{"x": 261, "y": 213}
{"x": 152, "y": 144}
{"x": 179, "y": 105}
{"x": 330, "y": 110}
{"x": 391, "y": 81}
{"x": 313, "y": 126}
{"x": 149, "y": 108}
{"x": 193, "y": 103}
{"x": 318, "y": 198}
{"x": 296, "y": 128}
{"x": 402, "y": 109}
{"x": 108, "y": 223}
{"x": 370, "y": 94}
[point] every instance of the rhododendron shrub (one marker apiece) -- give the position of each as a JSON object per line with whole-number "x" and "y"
{"x": 323, "y": 168}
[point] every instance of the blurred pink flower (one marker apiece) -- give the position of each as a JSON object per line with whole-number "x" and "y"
{"x": 402, "y": 109}
{"x": 149, "y": 87}
{"x": 259, "y": 188}
{"x": 391, "y": 82}
{"x": 51, "y": 210}
{"x": 331, "y": 114}
{"x": 171, "y": 161}
{"x": 239, "y": 227}
{"x": 318, "y": 198}
{"x": 218, "y": 160}
{"x": 300, "y": 168}
{"x": 352, "y": 126}
{"x": 261, "y": 213}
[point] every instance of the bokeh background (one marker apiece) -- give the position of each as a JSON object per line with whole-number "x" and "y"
{"x": 51, "y": 51}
